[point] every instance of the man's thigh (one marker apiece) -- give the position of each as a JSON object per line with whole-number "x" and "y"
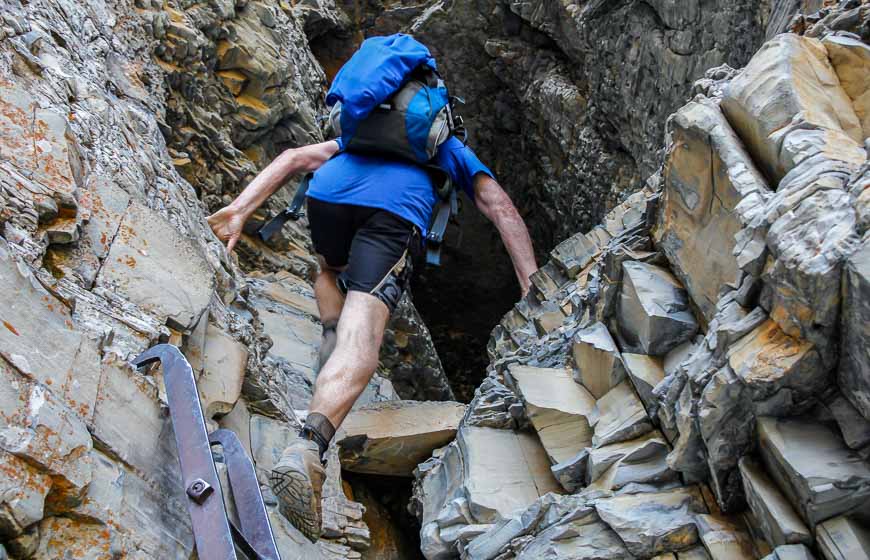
{"x": 380, "y": 260}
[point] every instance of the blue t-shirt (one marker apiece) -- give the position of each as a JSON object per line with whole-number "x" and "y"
{"x": 395, "y": 185}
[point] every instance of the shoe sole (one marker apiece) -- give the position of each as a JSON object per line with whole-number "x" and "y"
{"x": 296, "y": 500}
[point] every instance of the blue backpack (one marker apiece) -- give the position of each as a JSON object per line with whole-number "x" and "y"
{"x": 389, "y": 99}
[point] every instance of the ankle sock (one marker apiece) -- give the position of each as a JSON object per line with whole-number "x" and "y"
{"x": 318, "y": 429}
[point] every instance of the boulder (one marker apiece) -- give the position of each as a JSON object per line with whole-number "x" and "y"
{"x": 820, "y": 476}
{"x": 843, "y": 538}
{"x": 653, "y": 523}
{"x": 599, "y": 365}
{"x": 619, "y": 416}
{"x": 586, "y": 537}
{"x": 854, "y": 372}
{"x": 790, "y": 75}
{"x": 653, "y": 310}
{"x": 782, "y": 373}
{"x": 392, "y": 438}
{"x": 707, "y": 174}
{"x": 776, "y": 519}
{"x": 557, "y": 407}
{"x": 164, "y": 272}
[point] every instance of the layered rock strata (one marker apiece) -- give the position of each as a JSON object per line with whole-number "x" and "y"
{"x": 748, "y": 439}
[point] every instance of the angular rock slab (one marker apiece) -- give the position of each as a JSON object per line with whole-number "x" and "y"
{"x": 163, "y": 272}
{"x": 820, "y": 476}
{"x": 851, "y": 59}
{"x": 619, "y": 416}
{"x": 392, "y": 438}
{"x": 854, "y": 373}
{"x": 777, "y": 520}
{"x": 557, "y": 407}
{"x": 23, "y": 489}
{"x": 780, "y": 371}
{"x": 645, "y": 373}
{"x": 653, "y": 523}
{"x": 653, "y": 310}
{"x": 843, "y": 538}
{"x": 224, "y": 363}
{"x": 599, "y": 365}
{"x": 790, "y": 552}
{"x": 707, "y": 174}
{"x": 723, "y": 540}
{"x": 587, "y": 537}
{"x": 521, "y": 463}
{"x": 638, "y": 461}
{"x": 789, "y": 75}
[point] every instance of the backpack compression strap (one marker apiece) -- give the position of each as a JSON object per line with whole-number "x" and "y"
{"x": 292, "y": 212}
{"x": 445, "y": 210}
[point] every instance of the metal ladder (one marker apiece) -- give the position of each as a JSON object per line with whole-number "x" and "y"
{"x": 216, "y": 536}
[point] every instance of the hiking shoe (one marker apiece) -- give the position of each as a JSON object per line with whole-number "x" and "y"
{"x": 297, "y": 481}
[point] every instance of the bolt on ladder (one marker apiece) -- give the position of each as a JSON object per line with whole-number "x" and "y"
{"x": 216, "y": 536}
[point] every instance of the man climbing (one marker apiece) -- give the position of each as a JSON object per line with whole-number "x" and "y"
{"x": 368, "y": 213}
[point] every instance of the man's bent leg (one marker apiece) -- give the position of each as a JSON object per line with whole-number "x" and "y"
{"x": 330, "y": 301}
{"x": 297, "y": 478}
{"x": 345, "y": 376}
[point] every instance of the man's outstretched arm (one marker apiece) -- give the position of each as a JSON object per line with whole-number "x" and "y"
{"x": 227, "y": 222}
{"x": 496, "y": 205}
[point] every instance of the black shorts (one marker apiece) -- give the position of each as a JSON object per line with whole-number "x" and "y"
{"x": 375, "y": 245}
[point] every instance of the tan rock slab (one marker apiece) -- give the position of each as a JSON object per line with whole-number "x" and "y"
{"x": 707, "y": 174}
{"x": 523, "y": 472}
{"x": 645, "y": 373}
{"x": 599, "y": 365}
{"x": 775, "y": 366}
{"x": 23, "y": 489}
{"x": 851, "y": 59}
{"x": 776, "y": 518}
{"x": 224, "y": 363}
{"x": 619, "y": 416}
{"x": 790, "y": 75}
{"x": 843, "y": 538}
{"x": 812, "y": 466}
{"x": 393, "y": 437}
{"x": 724, "y": 540}
{"x": 558, "y": 408}
{"x": 158, "y": 268}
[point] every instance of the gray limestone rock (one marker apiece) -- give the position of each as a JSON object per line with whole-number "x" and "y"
{"x": 637, "y": 461}
{"x": 723, "y": 539}
{"x": 854, "y": 372}
{"x": 653, "y": 311}
{"x": 654, "y": 523}
{"x": 777, "y": 520}
{"x": 817, "y": 472}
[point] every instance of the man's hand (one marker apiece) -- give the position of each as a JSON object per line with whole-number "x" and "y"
{"x": 227, "y": 224}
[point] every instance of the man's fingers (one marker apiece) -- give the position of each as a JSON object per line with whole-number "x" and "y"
{"x": 232, "y": 242}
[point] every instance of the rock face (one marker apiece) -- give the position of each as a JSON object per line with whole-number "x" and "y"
{"x": 743, "y": 441}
